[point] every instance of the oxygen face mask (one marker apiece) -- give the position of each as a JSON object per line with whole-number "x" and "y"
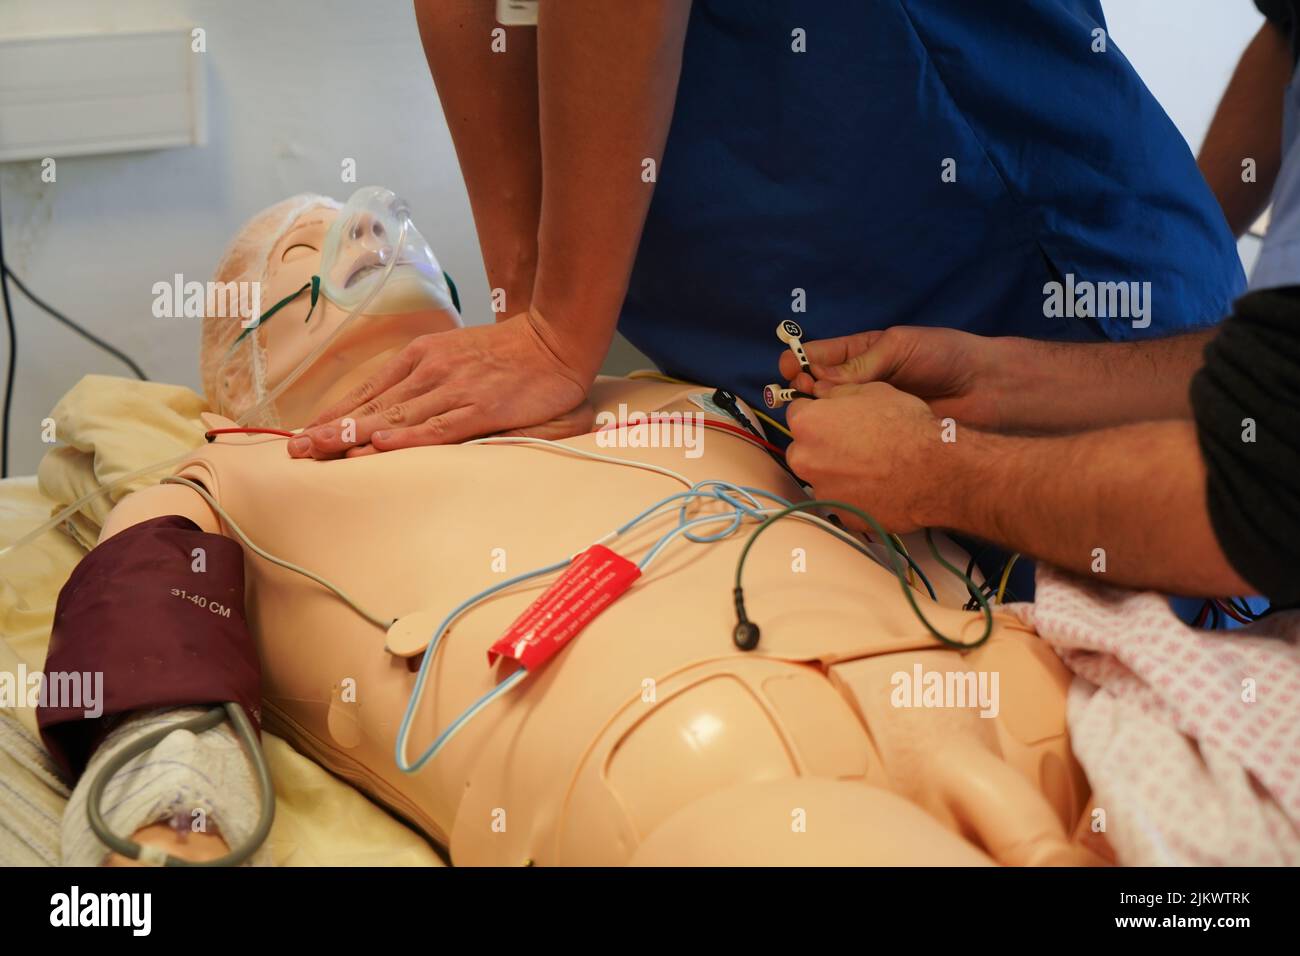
{"x": 374, "y": 261}
{"x": 371, "y": 232}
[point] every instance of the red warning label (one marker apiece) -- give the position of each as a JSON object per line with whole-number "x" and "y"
{"x": 591, "y": 582}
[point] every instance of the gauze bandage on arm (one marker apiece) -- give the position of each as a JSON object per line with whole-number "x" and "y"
{"x": 199, "y": 783}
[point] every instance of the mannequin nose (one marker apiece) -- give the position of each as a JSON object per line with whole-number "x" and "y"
{"x": 368, "y": 230}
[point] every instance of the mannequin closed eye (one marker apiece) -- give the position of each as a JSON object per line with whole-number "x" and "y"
{"x": 298, "y": 250}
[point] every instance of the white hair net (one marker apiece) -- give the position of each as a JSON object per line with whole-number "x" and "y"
{"x": 235, "y": 383}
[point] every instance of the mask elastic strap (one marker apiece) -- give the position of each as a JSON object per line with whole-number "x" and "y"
{"x": 451, "y": 287}
{"x": 314, "y": 285}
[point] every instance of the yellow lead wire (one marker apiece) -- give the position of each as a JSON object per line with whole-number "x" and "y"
{"x": 1006, "y": 576}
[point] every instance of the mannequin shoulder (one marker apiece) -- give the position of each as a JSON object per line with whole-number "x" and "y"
{"x": 156, "y": 502}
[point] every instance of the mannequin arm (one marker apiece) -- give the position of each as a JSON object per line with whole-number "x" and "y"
{"x": 156, "y": 502}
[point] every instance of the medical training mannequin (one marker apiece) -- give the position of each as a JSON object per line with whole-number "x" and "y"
{"x": 650, "y": 738}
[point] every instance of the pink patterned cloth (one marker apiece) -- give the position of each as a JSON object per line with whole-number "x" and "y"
{"x": 1190, "y": 738}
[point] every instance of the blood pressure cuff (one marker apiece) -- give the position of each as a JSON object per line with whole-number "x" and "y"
{"x": 152, "y": 618}
{"x": 1246, "y": 401}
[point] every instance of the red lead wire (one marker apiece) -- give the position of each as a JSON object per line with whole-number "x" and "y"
{"x": 737, "y": 430}
{"x": 214, "y": 432}
{"x": 708, "y": 423}
{"x": 720, "y": 426}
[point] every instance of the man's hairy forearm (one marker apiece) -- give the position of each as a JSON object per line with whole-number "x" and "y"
{"x": 1248, "y": 125}
{"x": 608, "y": 80}
{"x": 1133, "y": 496}
{"x": 1054, "y": 387}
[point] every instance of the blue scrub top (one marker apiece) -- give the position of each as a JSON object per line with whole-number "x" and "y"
{"x": 822, "y": 171}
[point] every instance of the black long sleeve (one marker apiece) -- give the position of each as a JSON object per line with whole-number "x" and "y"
{"x": 1249, "y": 389}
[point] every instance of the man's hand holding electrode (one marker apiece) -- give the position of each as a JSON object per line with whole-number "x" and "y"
{"x": 1167, "y": 463}
{"x": 1053, "y": 449}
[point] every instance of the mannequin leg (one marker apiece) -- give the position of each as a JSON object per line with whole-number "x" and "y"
{"x": 804, "y": 822}
{"x": 984, "y": 796}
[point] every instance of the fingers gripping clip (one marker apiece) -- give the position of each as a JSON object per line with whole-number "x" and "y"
{"x": 774, "y": 396}
{"x": 791, "y": 333}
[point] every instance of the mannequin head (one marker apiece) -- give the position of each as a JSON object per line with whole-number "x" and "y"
{"x": 280, "y": 249}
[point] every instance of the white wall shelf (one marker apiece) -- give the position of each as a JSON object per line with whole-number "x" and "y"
{"x": 111, "y": 92}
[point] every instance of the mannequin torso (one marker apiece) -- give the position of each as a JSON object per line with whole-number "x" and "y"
{"x": 619, "y": 748}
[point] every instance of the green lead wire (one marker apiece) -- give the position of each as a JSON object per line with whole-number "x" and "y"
{"x": 894, "y": 565}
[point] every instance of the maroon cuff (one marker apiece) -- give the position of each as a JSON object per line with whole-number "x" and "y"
{"x": 150, "y": 619}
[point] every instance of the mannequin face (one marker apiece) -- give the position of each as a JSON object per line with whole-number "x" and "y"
{"x": 367, "y": 344}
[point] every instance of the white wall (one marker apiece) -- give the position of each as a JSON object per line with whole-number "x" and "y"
{"x": 1186, "y": 51}
{"x": 293, "y": 87}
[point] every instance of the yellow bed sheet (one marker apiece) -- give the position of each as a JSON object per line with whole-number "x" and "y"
{"x": 107, "y": 427}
